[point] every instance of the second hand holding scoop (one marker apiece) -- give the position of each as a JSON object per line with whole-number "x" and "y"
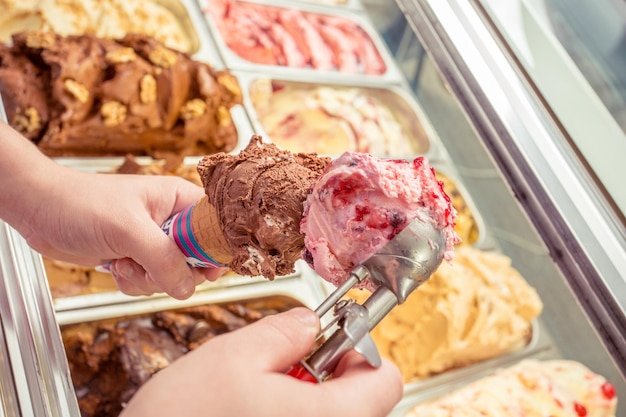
{"x": 398, "y": 268}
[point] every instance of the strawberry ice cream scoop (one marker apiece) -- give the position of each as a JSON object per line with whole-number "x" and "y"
{"x": 361, "y": 202}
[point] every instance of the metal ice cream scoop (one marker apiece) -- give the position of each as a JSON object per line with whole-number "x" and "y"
{"x": 398, "y": 268}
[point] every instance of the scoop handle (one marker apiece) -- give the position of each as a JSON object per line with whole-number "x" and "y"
{"x": 298, "y": 371}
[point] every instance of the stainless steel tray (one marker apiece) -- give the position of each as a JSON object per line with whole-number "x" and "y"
{"x": 183, "y": 15}
{"x": 298, "y": 287}
{"x": 107, "y": 299}
{"x": 393, "y": 75}
{"x": 190, "y": 15}
{"x": 447, "y": 377}
{"x": 539, "y": 348}
{"x": 279, "y": 296}
{"x": 409, "y": 112}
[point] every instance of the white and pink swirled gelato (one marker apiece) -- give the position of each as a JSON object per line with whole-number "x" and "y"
{"x": 556, "y": 388}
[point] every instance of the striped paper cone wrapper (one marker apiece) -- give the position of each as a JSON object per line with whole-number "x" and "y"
{"x": 197, "y": 232}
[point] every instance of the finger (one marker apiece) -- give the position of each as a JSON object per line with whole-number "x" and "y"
{"x": 354, "y": 381}
{"x": 209, "y": 274}
{"x": 198, "y": 276}
{"x": 131, "y": 271}
{"x": 126, "y": 286}
{"x": 129, "y": 288}
{"x": 187, "y": 194}
{"x": 280, "y": 340}
{"x": 162, "y": 260}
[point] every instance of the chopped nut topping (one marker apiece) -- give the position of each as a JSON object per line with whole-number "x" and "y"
{"x": 193, "y": 109}
{"x": 162, "y": 57}
{"x": 76, "y": 89}
{"x": 147, "y": 89}
{"x": 230, "y": 83}
{"x": 39, "y": 39}
{"x": 29, "y": 121}
{"x": 120, "y": 56}
{"x": 223, "y": 116}
{"x": 113, "y": 113}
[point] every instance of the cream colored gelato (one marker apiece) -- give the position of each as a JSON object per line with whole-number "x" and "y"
{"x": 556, "y": 388}
{"x": 102, "y": 18}
{"x": 475, "y": 308}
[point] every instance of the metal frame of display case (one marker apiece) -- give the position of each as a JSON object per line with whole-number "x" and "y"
{"x": 41, "y": 384}
{"x": 583, "y": 233}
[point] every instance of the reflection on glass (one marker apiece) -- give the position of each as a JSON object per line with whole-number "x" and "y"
{"x": 594, "y": 35}
{"x": 591, "y": 32}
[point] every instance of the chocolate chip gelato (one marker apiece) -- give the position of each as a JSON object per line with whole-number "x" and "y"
{"x": 86, "y": 96}
{"x": 258, "y": 200}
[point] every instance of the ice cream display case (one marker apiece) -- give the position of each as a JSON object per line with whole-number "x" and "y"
{"x": 502, "y": 100}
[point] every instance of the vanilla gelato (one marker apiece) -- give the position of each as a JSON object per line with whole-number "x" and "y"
{"x": 102, "y": 18}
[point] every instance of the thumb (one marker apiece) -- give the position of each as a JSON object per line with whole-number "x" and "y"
{"x": 279, "y": 340}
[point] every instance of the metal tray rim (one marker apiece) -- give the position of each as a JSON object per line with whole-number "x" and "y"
{"x": 352, "y": 5}
{"x": 296, "y": 287}
{"x": 447, "y": 169}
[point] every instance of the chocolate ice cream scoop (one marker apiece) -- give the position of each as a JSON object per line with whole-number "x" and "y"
{"x": 249, "y": 218}
{"x": 258, "y": 200}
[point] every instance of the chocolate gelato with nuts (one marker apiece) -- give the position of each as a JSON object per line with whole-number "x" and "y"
{"x": 86, "y": 96}
{"x": 258, "y": 198}
{"x": 110, "y": 360}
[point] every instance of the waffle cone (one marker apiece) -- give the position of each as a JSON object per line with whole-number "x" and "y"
{"x": 207, "y": 230}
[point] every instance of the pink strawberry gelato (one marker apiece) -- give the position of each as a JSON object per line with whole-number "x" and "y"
{"x": 361, "y": 202}
{"x": 293, "y": 38}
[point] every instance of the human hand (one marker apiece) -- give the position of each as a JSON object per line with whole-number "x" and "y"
{"x": 92, "y": 218}
{"x": 242, "y": 373}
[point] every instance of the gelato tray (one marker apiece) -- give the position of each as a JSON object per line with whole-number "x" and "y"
{"x": 110, "y": 358}
{"x": 166, "y": 20}
{"x": 531, "y": 387}
{"x": 311, "y": 40}
{"x": 333, "y": 117}
{"x": 89, "y": 96}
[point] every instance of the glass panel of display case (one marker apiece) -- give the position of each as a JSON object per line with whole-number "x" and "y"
{"x": 575, "y": 53}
